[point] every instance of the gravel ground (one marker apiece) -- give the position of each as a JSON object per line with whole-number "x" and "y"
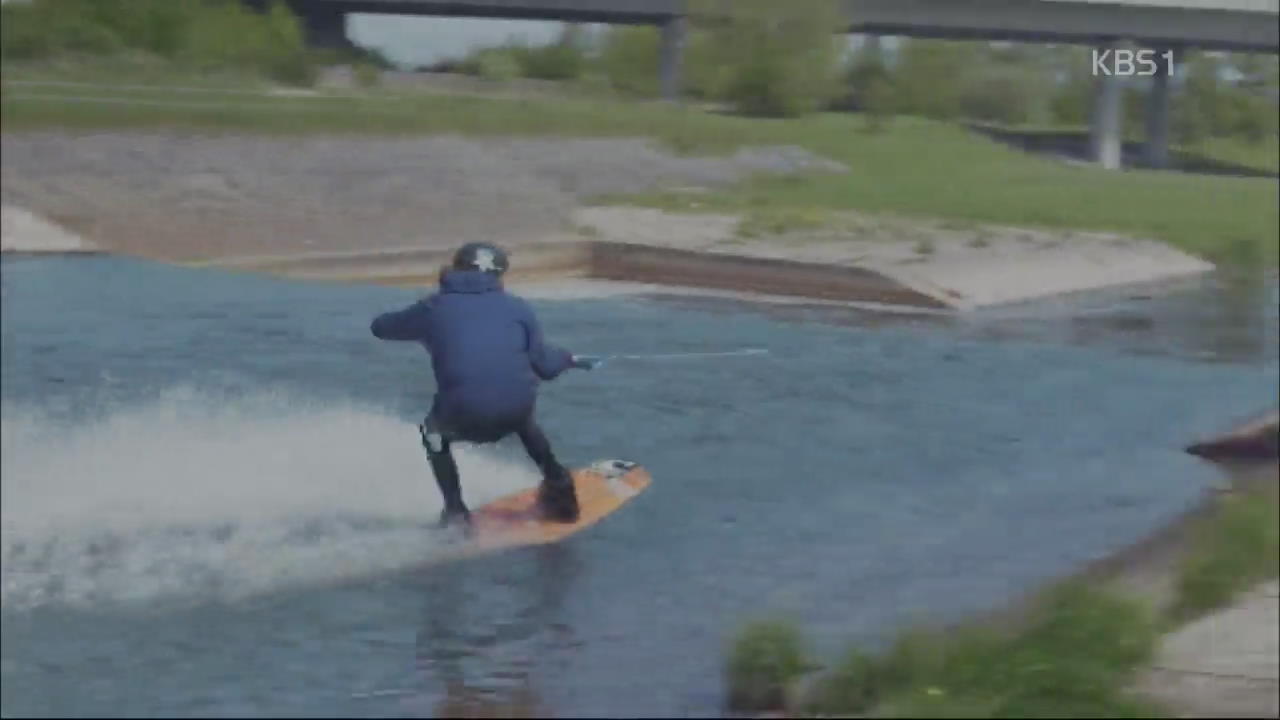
{"x": 180, "y": 196}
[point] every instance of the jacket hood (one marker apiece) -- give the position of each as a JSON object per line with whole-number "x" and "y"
{"x": 469, "y": 281}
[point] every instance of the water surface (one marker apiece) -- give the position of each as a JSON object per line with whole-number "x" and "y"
{"x": 214, "y": 501}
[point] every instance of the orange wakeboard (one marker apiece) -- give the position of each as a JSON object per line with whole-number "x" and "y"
{"x": 513, "y": 520}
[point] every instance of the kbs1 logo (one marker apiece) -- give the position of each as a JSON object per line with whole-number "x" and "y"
{"x": 1131, "y": 63}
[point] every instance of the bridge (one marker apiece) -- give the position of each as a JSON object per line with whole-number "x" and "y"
{"x": 1161, "y": 25}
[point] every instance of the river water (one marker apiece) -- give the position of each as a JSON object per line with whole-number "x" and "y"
{"x": 215, "y": 503}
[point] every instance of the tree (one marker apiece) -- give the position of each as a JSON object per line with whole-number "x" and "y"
{"x": 1196, "y": 115}
{"x": 930, "y": 76}
{"x": 629, "y": 60}
{"x": 870, "y": 85}
{"x": 778, "y": 59}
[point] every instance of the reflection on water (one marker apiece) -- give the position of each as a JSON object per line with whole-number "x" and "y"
{"x": 480, "y": 655}
{"x": 1226, "y": 316}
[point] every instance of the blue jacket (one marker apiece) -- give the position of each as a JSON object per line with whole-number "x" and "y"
{"x": 486, "y": 349}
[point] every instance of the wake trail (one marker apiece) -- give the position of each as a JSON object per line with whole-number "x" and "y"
{"x": 185, "y": 498}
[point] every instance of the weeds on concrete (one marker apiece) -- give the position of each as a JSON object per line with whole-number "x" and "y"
{"x": 769, "y": 222}
{"x": 925, "y": 246}
{"x": 1236, "y": 547}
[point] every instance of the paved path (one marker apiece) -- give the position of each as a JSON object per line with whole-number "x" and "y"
{"x": 1227, "y": 664}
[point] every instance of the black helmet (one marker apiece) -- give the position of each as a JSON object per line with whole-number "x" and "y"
{"x": 481, "y": 256}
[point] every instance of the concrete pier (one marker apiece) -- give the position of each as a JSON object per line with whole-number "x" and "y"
{"x": 1156, "y": 151}
{"x": 1106, "y": 123}
{"x": 325, "y": 25}
{"x": 674, "y": 33}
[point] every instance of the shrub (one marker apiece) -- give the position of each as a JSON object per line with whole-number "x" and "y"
{"x": 629, "y": 59}
{"x": 557, "y": 61}
{"x": 366, "y": 74}
{"x": 765, "y": 658}
{"x": 778, "y": 59}
{"x": 497, "y": 64}
{"x": 201, "y": 34}
{"x": 37, "y": 30}
{"x": 1002, "y": 96}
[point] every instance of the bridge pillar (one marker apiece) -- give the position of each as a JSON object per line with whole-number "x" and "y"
{"x": 323, "y": 25}
{"x": 674, "y": 33}
{"x": 1105, "y": 127}
{"x": 1156, "y": 150}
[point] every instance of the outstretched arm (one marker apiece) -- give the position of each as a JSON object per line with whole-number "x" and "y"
{"x": 410, "y": 323}
{"x": 548, "y": 360}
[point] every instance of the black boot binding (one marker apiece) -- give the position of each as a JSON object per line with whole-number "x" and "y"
{"x": 446, "y": 472}
{"x": 557, "y": 497}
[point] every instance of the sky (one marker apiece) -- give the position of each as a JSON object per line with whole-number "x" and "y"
{"x": 412, "y": 41}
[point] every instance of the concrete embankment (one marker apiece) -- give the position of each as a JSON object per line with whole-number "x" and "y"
{"x": 679, "y": 254}
{"x": 1256, "y": 440}
{"x": 632, "y": 245}
{"x": 346, "y": 208}
{"x": 881, "y": 259}
{"x": 24, "y": 232}
{"x": 1224, "y": 665}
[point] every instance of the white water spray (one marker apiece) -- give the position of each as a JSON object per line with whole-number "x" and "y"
{"x": 188, "y": 498}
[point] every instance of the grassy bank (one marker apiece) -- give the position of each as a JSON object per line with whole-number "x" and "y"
{"x": 1078, "y": 651}
{"x": 1264, "y": 155}
{"x": 912, "y": 168}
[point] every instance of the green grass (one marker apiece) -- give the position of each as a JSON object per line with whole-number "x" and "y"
{"x": 1075, "y": 658}
{"x": 1074, "y": 655}
{"x": 1264, "y": 155}
{"x": 919, "y": 168}
{"x": 1237, "y": 547}
{"x": 242, "y": 109}
{"x": 764, "y": 658}
{"x": 128, "y": 69}
{"x": 1077, "y": 655}
{"x": 914, "y": 168}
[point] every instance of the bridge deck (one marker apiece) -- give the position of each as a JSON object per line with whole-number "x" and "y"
{"x": 1241, "y": 25}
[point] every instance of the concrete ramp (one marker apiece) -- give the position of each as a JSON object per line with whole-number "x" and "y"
{"x": 409, "y": 266}
{"x": 888, "y": 260}
{"x": 927, "y": 268}
{"x": 22, "y": 231}
{"x": 1022, "y": 273}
